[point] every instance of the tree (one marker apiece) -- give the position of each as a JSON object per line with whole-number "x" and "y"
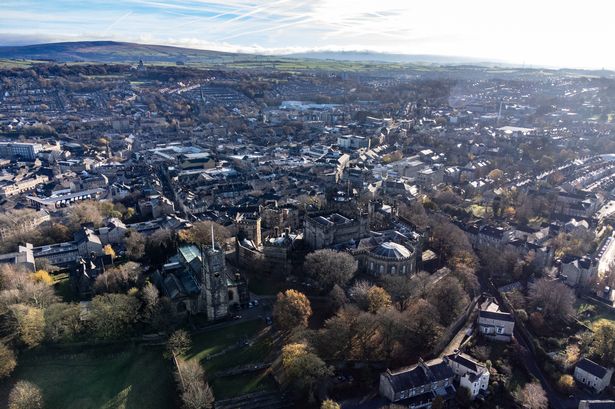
{"x": 603, "y": 344}
{"x": 19, "y": 287}
{"x": 25, "y": 395}
{"x": 8, "y": 361}
{"x": 195, "y": 392}
{"x": 449, "y": 298}
{"x": 119, "y": 279}
{"x": 42, "y": 276}
{"x": 63, "y": 322}
{"x": 200, "y": 233}
{"x": 495, "y": 174}
{"x": 179, "y": 343}
{"x": 532, "y": 396}
{"x": 135, "y": 245}
{"x": 439, "y": 402}
{"x": 554, "y": 297}
{"x": 108, "y": 250}
{"x": 337, "y": 297}
{"x": 28, "y": 324}
{"x": 84, "y": 212}
{"x": 566, "y": 384}
{"x": 303, "y": 367}
{"x": 377, "y": 299}
{"x": 330, "y": 404}
{"x": 330, "y": 267}
{"x": 150, "y": 298}
{"x": 422, "y": 322}
{"x": 291, "y": 310}
{"x": 358, "y": 294}
{"x": 112, "y": 315}
{"x": 401, "y": 289}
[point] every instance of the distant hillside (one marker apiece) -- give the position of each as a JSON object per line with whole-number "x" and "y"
{"x": 110, "y": 52}
{"x": 386, "y": 57}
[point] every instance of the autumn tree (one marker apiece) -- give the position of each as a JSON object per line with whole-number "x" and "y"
{"x": 200, "y": 233}
{"x": 566, "y": 384}
{"x": 112, "y": 315}
{"x": 28, "y": 323}
{"x": 603, "y": 343}
{"x": 303, "y": 367}
{"x": 291, "y": 310}
{"x": 330, "y": 267}
{"x": 42, "y": 276}
{"x": 532, "y": 396}
{"x": 108, "y": 250}
{"x": 377, "y": 299}
{"x": 330, "y": 404}
{"x": 449, "y": 298}
{"x": 8, "y": 361}
{"x": 554, "y": 297}
{"x": 25, "y": 395}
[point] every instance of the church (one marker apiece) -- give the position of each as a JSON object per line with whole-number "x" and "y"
{"x": 198, "y": 281}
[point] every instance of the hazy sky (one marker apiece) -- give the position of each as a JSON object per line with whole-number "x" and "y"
{"x": 534, "y": 32}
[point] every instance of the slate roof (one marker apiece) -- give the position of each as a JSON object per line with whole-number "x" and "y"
{"x": 592, "y": 367}
{"x": 465, "y": 361}
{"x": 501, "y": 316}
{"x": 417, "y": 376}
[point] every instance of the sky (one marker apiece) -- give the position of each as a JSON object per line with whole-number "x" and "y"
{"x": 561, "y": 33}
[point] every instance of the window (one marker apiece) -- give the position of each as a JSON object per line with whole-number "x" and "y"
{"x": 403, "y": 269}
{"x": 393, "y": 270}
{"x": 371, "y": 266}
{"x": 500, "y": 330}
{"x": 381, "y": 269}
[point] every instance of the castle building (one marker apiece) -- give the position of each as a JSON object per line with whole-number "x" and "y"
{"x": 331, "y": 229}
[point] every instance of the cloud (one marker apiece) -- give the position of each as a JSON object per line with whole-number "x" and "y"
{"x": 551, "y": 32}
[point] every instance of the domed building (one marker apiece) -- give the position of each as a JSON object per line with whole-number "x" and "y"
{"x": 391, "y": 253}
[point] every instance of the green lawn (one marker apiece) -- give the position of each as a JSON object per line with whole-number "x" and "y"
{"x": 212, "y": 342}
{"x": 134, "y": 378}
{"x": 590, "y": 314}
{"x": 232, "y": 386}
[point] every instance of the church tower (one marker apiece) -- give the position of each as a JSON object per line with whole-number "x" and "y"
{"x": 214, "y": 295}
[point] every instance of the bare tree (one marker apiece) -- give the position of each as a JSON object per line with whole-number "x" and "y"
{"x": 195, "y": 392}
{"x": 25, "y": 395}
{"x": 554, "y": 297}
{"x": 532, "y": 396}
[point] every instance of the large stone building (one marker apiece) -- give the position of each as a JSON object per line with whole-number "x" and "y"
{"x": 330, "y": 229}
{"x": 417, "y": 386}
{"x": 387, "y": 253}
{"x": 198, "y": 282}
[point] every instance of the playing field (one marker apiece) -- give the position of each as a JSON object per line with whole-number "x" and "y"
{"x": 102, "y": 378}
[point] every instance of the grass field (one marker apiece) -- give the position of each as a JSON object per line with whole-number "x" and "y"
{"x": 591, "y": 314}
{"x": 134, "y": 378}
{"x": 212, "y": 342}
